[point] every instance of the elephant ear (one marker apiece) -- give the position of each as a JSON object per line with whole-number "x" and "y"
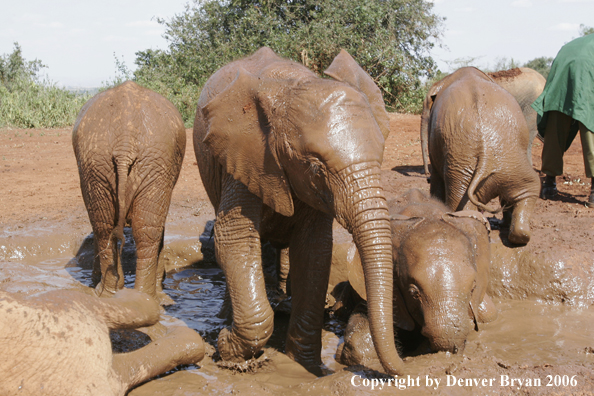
{"x": 402, "y": 318}
{"x": 478, "y": 233}
{"x": 240, "y": 137}
{"x": 345, "y": 69}
{"x": 472, "y": 214}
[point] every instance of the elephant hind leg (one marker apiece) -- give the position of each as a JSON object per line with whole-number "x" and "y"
{"x": 179, "y": 346}
{"x": 148, "y": 227}
{"x": 519, "y": 229}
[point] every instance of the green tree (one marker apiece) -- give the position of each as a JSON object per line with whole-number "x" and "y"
{"x": 13, "y": 67}
{"x": 541, "y": 65}
{"x": 585, "y": 30}
{"x": 390, "y": 39}
{"x": 28, "y": 101}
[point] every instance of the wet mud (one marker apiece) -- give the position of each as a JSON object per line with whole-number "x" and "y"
{"x": 544, "y": 334}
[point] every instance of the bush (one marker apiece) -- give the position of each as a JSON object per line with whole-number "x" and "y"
{"x": 28, "y": 102}
{"x": 390, "y": 39}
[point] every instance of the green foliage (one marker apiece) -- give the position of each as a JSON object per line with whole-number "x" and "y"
{"x": 541, "y": 65}
{"x": 390, "y": 39}
{"x": 505, "y": 64}
{"x": 585, "y": 30}
{"x": 28, "y": 102}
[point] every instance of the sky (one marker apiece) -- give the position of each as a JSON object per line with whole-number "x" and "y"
{"x": 77, "y": 39}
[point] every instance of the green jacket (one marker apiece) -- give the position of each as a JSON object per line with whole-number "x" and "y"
{"x": 570, "y": 86}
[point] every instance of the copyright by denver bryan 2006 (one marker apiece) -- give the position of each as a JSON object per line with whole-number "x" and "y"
{"x": 451, "y": 381}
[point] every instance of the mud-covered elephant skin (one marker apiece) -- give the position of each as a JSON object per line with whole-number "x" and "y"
{"x": 441, "y": 273}
{"x": 129, "y": 144}
{"x": 282, "y": 152}
{"x": 477, "y": 140}
{"x": 525, "y": 85}
{"x": 57, "y": 343}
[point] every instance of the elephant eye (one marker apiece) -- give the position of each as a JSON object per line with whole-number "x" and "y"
{"x": 414, "y": 292}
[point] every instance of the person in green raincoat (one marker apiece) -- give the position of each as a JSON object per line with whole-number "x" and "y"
{"x": 565, "y": 107}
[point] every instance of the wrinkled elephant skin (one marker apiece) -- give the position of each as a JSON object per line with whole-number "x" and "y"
{"x": 129, "y": 144}
{"x": 477, "y": 140}
{"x": 57, "y": 343}
{"x": 282, "y": 152}
{"x": 441, "y": 270}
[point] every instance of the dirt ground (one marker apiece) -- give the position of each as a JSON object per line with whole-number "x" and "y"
{"x": 40, "y": 192}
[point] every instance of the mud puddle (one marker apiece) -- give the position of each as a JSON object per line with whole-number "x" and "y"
{"x": 529, "y": 340}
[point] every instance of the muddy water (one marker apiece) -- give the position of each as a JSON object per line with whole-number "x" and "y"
{"x": 531, "y": 339}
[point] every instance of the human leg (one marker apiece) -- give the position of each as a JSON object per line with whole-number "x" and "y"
{"x": 555, "y": 140}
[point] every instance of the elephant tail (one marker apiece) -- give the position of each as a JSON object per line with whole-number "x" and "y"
{"x": 122, "y": 167}
{"x": 479, "y": 175}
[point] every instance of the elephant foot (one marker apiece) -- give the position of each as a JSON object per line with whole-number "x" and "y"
{"x": 233, "y": 349}
{"x": 103, "y": 291}
{"x": 164, "y": 299}
{"x": 519, "y": 234}
{"x": 314, "y": 366}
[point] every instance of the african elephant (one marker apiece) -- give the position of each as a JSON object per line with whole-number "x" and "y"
{"x": 525, "y": 85}
{"x": 441, "y": 273}
{"x": 57, "y": 343}
{"x": 282, "y": 152}
{"x": 129, "y": 144}
{"x": 477, "y": 140}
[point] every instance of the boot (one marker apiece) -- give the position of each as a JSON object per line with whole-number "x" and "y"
{"x": 549, "y": 187}
{"x": 590, "y": 202}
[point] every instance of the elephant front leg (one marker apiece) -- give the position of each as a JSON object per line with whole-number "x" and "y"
{"x": 238, "y": 252}
{"x": 519, "y": 229}
{"x": 310, "y": 255}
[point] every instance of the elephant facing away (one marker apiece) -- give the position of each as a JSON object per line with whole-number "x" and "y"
{"x": 282, "y": 152}
{"x": 57, "y": 343}
{"x": 441, "y": 273}
{"x": 129, "y": 144}
{"x": 477, "y": 140}
{"x": 525, "y": 85}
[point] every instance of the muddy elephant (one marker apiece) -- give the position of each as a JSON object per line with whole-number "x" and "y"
{"x": 281, "y": 153}
{"x": 58, "y": 343}
{"x": 441, "y": 273}
{"x": 525, "y": 85}
{"x": 129, "y": 144}
{"x": 477, "y": 138}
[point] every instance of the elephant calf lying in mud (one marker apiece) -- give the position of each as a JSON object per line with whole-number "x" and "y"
{"x": 129, "y": 144}
{"x": 477, "y": 142}
{"x": 57, "y": 343}
{"x": 441, "y": 269}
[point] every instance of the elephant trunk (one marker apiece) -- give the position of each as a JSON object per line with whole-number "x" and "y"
{"x": 447, "y": 327}
{"x": 365, "y": 214}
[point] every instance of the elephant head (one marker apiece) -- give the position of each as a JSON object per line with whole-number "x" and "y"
{"x": 441, "y": 266}
{"x": 292, "y": 138}
{"x": 441, "y": 273}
